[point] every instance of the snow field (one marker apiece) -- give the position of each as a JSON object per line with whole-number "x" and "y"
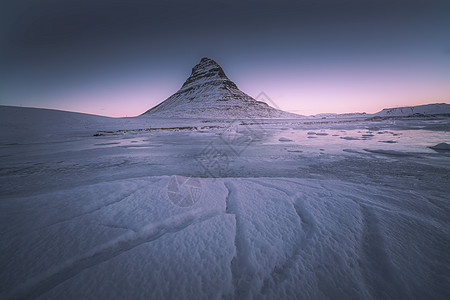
{"x": 244, "y": 238}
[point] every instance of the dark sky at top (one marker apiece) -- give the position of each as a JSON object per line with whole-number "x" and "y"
{"x": 122, "y": 57}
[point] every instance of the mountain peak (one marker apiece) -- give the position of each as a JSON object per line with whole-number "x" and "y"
{"x": 207, "y": 59}
{"x": 206, "y": 70}
{"x": 209, "y": 93}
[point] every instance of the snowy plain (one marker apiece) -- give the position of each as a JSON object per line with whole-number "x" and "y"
{"x": 340, "y": 208}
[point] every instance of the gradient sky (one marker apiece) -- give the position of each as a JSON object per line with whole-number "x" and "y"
{"x": 120, "y": 58}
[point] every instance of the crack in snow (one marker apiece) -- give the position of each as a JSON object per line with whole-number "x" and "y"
{"x": 114, "y": 226}
{"x": 241, "y": 279}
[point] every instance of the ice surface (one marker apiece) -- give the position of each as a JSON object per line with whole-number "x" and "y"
{"x": 89, "y": 210}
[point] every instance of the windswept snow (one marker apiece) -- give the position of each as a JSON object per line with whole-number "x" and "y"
{"x": 245, "y": 238}
{"x": 142, "y": 208}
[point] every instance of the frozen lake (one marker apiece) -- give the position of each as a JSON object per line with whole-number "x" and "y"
{"x": 132, "y": 208}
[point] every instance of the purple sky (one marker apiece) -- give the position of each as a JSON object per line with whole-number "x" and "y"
{"x": 121, "y": 58}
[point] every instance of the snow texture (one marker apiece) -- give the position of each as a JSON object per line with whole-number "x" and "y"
{"x": 87, "y": 208}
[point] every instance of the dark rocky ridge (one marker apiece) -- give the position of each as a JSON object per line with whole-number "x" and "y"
{"x": 210, "y": 70}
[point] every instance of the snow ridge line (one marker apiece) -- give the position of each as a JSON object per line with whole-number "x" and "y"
{"x": 390, "y": 209}
{"x": 309, "y": 227}
{"x": 53, "y": 277}
{"x": 93, "y": 210}
{"x": 128, "y": 195}
{"x": 306, "y": 219}
{"x": 378, "y": 259}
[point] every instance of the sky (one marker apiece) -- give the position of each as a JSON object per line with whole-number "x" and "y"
{"x": 119, "y": 58}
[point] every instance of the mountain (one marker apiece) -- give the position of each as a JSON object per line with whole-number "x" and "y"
{"x": 428, "y": 109}
{"x": 336, "y": 115}
{"x": 209, "y": 93}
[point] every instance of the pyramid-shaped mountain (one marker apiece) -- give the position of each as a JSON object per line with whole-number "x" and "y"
{"x": 208, "y": 93}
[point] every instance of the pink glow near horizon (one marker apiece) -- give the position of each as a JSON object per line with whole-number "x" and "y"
{"x": 303, "y": 93}
{"x": 305, "y": 100}
{"x": 344, "y": 92}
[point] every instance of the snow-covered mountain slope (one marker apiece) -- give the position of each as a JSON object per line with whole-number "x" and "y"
{"x": 208, "y": 93}
{"x": 428, "y": 109}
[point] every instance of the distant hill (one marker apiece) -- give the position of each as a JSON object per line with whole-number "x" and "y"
{"x": 29, "y": 123}
{"x": 428, "y": 109}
